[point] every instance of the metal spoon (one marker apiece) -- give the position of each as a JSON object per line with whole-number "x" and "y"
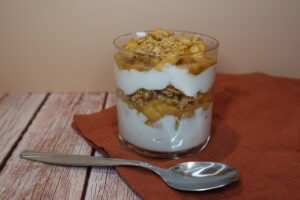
{"x": 188, "y": 176}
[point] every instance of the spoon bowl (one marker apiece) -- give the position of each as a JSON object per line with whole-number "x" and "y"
{"x": 188, "y": 176}
{"x": 200, "y": 176}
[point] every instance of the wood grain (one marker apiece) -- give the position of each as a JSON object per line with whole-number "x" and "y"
{"x": 16, "y": 111}
{"x": 104, "y": 182}
{"x": 51, "y": 131}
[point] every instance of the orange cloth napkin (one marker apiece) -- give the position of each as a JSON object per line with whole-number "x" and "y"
{"x": 256, "y": 128}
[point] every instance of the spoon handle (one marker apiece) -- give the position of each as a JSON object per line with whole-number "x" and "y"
{"x": 78, "y": 160}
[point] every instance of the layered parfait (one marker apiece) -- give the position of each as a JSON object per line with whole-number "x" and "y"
{"x": 165, "y": 85}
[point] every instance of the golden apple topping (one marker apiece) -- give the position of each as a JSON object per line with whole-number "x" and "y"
{"x": 160, "y": 47}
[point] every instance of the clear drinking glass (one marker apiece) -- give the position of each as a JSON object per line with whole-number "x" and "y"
{"x": 165, "y": 102}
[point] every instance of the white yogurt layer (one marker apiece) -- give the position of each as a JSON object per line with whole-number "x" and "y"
{"x": 162, "y": 136}
{"x": 132, "y": 80}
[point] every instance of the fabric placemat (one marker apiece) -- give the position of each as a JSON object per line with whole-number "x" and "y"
{"x": 256, "y": 128}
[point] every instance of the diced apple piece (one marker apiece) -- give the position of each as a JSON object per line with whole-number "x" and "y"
{"x": 165, "y": 109}
{"x": 132, "y": 45}
{"x": 151, "y": 113}
{"x": 196, "y": 68}
{"x": 169, "y": 59}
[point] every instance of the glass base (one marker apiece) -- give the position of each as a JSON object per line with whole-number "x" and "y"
{"x": 164, "y": 155}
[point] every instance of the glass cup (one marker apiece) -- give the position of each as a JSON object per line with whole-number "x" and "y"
{"x": 165, "y": 102}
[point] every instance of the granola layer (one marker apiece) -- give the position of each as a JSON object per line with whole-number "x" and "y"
{"x": 155, "y": 104}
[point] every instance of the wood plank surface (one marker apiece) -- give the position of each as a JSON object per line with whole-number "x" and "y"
{"x": 16, "y": 111}
{"x": 50, "y": 131}
{"x": 104, "y": 182}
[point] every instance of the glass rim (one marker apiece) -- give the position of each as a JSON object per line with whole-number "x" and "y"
{"x": 214, "y": 47}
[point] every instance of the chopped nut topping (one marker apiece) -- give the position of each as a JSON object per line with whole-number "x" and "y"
{"x": 161, "y": 41}
{"x": 161, "y": 46}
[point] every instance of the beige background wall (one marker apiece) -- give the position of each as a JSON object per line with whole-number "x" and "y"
{"x": 65, "y": 45}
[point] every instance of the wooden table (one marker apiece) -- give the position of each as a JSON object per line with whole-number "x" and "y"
{"x": 42, "y": 122}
